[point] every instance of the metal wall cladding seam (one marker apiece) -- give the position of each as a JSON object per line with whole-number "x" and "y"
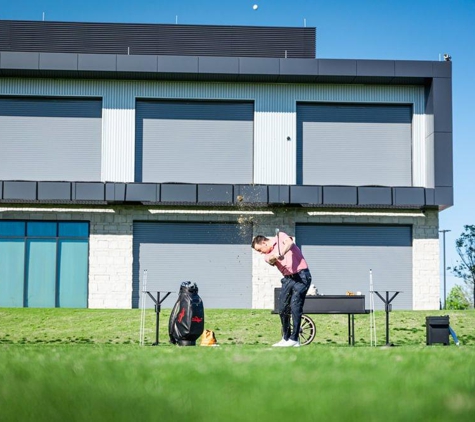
{"x": 341, "y": 256}
{"x": 217, "y": 258}
{"x": 157, "y": 39}
{"x": 363, "y": 144}
{"x": 50, "y": 139}
{"x": 194, "y": 141}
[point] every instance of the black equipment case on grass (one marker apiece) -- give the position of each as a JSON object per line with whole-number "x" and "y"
{"x": 437, "y": 329}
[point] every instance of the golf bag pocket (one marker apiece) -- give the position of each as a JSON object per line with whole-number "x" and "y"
{"x": 187, "y": 319}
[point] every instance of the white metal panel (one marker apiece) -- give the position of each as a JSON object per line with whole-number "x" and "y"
{"x": 275, "y": 116}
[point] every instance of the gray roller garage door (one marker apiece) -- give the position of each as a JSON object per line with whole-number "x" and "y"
{"x": 354, "y": 145}
{"x": 194, "y": 142}
{"x": 50, "y": 139}
{"x": 340, "y": 257}
{"x": 215, "y": 256}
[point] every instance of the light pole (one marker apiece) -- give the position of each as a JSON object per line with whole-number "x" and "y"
{"x": 445, "y": 268}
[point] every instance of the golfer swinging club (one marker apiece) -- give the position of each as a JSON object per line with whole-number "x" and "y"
{"x": 281, "y": 251}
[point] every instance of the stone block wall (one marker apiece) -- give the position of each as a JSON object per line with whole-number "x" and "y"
{"x": 111, "y": 243}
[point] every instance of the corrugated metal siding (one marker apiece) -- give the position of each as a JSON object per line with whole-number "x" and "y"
{"x": 217, "y": 256}
{"x": 340, "y": 257}
{"x": 50, "y": 139}
{"x": 157, "y": 39}
{"x": 346, "y": 144}
{"x": 274, "y": 119}
{"x": 194, "y": 142}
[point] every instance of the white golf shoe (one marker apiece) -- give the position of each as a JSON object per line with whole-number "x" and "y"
{"x": 281, "y": 343}
{"x": 291, "y": 343}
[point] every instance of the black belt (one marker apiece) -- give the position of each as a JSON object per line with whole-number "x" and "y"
{"x": 293, "y": 275}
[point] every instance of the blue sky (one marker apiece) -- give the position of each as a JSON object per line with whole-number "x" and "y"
{"x": 367, "y": 29}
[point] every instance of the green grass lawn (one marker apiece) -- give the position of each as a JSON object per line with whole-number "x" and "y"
{"x": 78, "y": 365}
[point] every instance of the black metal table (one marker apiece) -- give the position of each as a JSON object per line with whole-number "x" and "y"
{"x": 334, "y": 305}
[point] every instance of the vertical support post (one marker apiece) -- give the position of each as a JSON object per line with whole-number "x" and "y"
{"x": 445, "y": 267}
{"x": 353, "y": 329}
{"x": 157, "y": 318}
{"x": 386, "y": 305}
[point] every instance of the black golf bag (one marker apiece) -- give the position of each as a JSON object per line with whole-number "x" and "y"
{"x": 187, "y": 319}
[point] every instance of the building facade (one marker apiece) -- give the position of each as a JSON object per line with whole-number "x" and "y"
{"x": 125, "y": 162}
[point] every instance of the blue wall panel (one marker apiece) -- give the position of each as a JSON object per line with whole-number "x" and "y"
{"x": 72, "y": 273}
{"x": 12, "y": 269}
{"x": 41, "y": 273}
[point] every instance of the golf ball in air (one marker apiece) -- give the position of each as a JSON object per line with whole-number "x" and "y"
{"x": 255, "y": 7}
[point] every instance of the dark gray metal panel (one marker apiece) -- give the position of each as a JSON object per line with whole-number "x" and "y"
{"x": 136, "y": 63}
{"x": 110, "y": 196}
{"x": 375, "y": 68}
{"x": 339, "y": 195}
{"x": 279, "y": 194}
{"x": 250, "y": 194}
{"x": 115, "y": 192}
{"x": 89, "y": 191}
{"x": 216, "y": 135}
{"x": 50, "y": 139}
{"x": 179, "y": 193}
{"x": 221, "y": 65}
{"x": 19, "y": 190}
{"x": 1, "y": 190}
{"x": 13, "y": 60}
{"x": 54, "y": 191}
{"x": 120, "y": 188}
{"x": 217, "y": 257}
{"x": 430, "y": 196}
{"x": 56, "y": 61}
{"x": 354, "y": 144}
{"x": 215, "y": 193}
{"x": 443, "y": 158}
{"x": 258, "y": 66}
{"x": 304, "y": 67}
{"x": 408, "y": 80}
{"x": 442, "y": 69}
{"x": 409, "y": 196}
{"x": 442, "y": 98}
{"x": 341, "y": 256}
{"x": 305, "y": 194}
{"x": 444, "y": 196}
{"x": 141, "y": 192}
{"x": 177, "y": 64}
{"x": 336, "y": 67}
{"x": 157, "y": 39}
{"x": 414, "y": 68}
{"x": 374, "y": 195}
{"x": 97, "y": 62}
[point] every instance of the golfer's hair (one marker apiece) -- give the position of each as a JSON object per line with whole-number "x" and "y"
{"x": 258, "y": 240}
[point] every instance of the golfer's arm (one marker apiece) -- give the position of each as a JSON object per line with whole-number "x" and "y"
{"x": 287, "y": 245}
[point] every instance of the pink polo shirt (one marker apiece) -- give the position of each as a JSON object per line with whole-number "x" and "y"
{"x": 292, "y": 262}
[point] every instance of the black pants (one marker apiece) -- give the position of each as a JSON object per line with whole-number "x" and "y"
{"x": 291, "y": 300}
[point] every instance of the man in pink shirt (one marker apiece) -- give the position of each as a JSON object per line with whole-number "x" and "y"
{"x": 281, "y": 251}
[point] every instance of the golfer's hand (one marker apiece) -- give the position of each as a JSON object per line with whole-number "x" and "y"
{"x": 273, "y": 259}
